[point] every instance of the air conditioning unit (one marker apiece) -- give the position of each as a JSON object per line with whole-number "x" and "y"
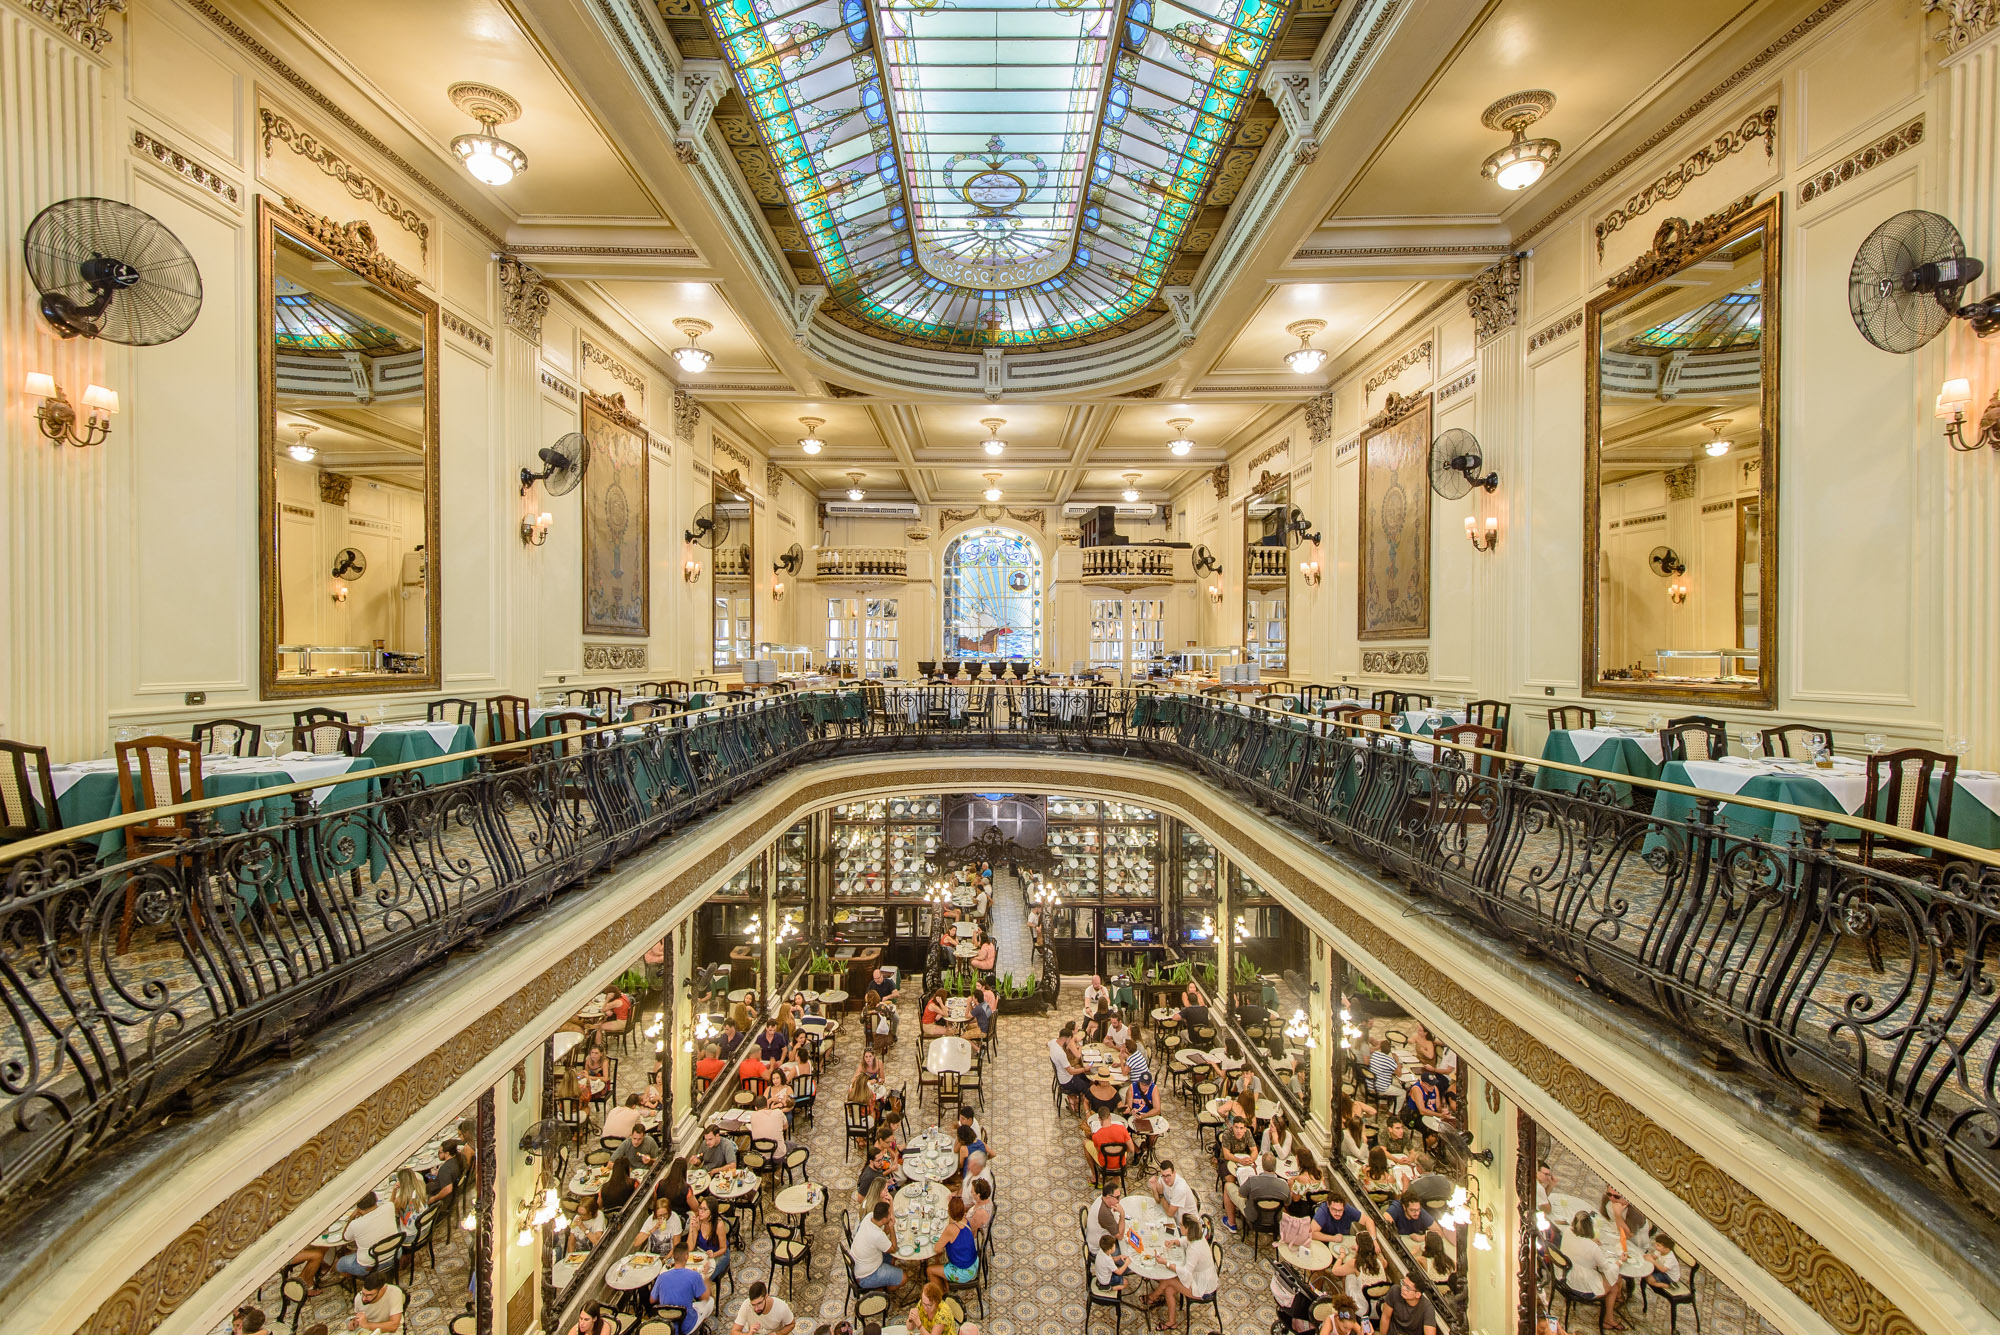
{"x": 1078, "y": 509}
{"x": 873, "y": 510}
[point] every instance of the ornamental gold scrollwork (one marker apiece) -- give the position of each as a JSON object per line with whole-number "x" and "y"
{"x": 1677, "y": 242}
{"x": 352, "y": 244}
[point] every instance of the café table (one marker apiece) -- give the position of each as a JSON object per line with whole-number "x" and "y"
{"x": 1563, "y": 1210}
{"x": 948, "y": 1054}
{"x": 833, "y": 998}
{"x": 965, "y": 950}
{"x": 1607, "y": 749}
{"x": 1424, "y": 722}
{"x": 731, "y": 1183}
{"x": 920, "y": 1212}
{"x": 564, "y": 1041}
{"x": 1153, "y": 1246}
{"x": 1315, "y": 1255}
{"x": 958, "y": 1010}
{"x": 1841, "y": 790}
{"x": 637, "y": 1271}
{"x": 801, "y": 1198}
{"x": 930, "y": 1157}
{"x": 1150, "y": 1124}
{"x": 589, "y": 1179}
{"x": 564, "y": 1270}
{"x": 417, "y": 739}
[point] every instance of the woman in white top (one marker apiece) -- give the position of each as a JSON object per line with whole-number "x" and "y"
{"x": 1195, "y": 1278}
{"x": 1363, "y": 1272}
{"x": 659, "y": 1229}
{"x": 587, "y": 1224}
{"x": 1592, "y": 1273}
{"x": 1278, "y": 1137}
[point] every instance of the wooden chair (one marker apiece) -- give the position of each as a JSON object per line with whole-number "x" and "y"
{"x": 328, "y": 737}
{"x": 1495, "y": 714}
{"x": 228, "y": 737}
{"x": 508, "y": 720}
{"x": 465, "y": 713}
{"x": 1678, "y": 1296}
{"x": 567, "y": 726}
{"x": 702, "y": 685}
{"x": 1367, "y": 718}
{"x": 1900, "y": 793}
{"x": 317, "y": 714}
{"x": 154, "y": 772}
{"x": 1479, "y": 735}
{"x": 646, "y": 709}
{"x": 1694, "y": 738}
{"x": 27, "y": 783}
{"x": 1389, "y": 702}
{"x": 603, "y": 699}
{"x": 1412, "y": 700}
{"x": 1570, "y": 718}
{"x": 1778, "y": 741}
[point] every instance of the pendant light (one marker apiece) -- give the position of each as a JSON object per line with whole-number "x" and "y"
{"x": 1131, "y": 492}
{"x": 1719, "y": 446}
{"x": 854, "y": 491}
{"x": 692, "y": 359}
{"x": 1305, "y": 358}
{"x": 299, "y": 449}
{"x": 810, "y": 441}
{"x": 992, "y": 486}
{"x": 487, "y": 156}
{"x": 1523, "y": 161}
{"x": 993, "y": 445}
{"x": 1180, "y": 446}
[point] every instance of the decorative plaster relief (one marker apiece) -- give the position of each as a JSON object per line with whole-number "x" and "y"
{"x": 524, "y": 300}
{"x": 82, "y": 21}
{"x": 1905, "y": 136}
{"x": 1491, "y": 299}
{"x": 614, "y": 657}
{"x": 618, "y": 370}
{"x": 308, "y": 146}
{"x": 1420, "y": 353}
{"x": 465, "y": 330}
{"x": 1758, "y": 125}
{"x": 185, "y": 167}
{"x": 1397, "y": 662}
{"x": 1572, "y": 321}
{"x": 687, "y": 415}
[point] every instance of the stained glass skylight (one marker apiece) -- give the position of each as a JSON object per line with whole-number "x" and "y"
{"x": 308, "y": 322}
{"x": 1734, "y": 320}
{"x": 995, "y": 172}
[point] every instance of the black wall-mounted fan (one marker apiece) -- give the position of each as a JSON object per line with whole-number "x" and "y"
{"x": 563, "y": 465}
{"x": 710, "y": 527}
{"x": 349, "y": 563}
{"x": 791, "y": 560}
{"x": 1666, "y": 562}
{"x": 107, "y": 270}
{"x": 1455, "y": 464}
{"x": 1205, "y": 562}
{"x": 1298, "y": 529}
{"x": 1908, "y": 280}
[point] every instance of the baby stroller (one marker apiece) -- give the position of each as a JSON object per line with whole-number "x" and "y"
{"x": 1301, "y": 1306}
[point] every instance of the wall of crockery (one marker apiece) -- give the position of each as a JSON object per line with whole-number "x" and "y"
{"x": 1887, "y": 619}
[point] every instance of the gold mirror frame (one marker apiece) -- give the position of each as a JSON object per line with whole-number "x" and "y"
{"x": 352, "y": 246}
{"x": 1677, "y": 245}
{"x": 730, "y": 484}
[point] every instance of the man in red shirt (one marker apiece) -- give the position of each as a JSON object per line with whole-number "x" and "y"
{"x": 710, "y": 1065}
{"x": 1108, "y": 1129}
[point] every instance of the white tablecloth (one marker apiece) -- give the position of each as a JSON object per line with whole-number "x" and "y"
{"x": 1587, "y": 741}
{"x": 444, "y": 734}
{"x": 296, "y": 766}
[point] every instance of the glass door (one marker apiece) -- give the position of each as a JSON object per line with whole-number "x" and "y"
{"x": 1107, "y": 633}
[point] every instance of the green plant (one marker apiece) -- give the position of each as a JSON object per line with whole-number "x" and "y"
{"x": 784, "y": 964}
{"x": 1363, "y": 988}
{"x": 1246, "y": 969}
{"x": 633, "y": 981}
{"x": 1180, "y": 973}
{"x": 1205, "y": 972}
{"x": 821, "y": 962}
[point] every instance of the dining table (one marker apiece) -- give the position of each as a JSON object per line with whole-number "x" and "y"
{"x": 799, "y": 1198}
{"x": 406, "y": 740}
{"x": 948, "y": 1054}
{"x": 1609, "y": 750}
{"x": 637, "y": 1271}
{"x": 1424, "y": 722}
{"x": 1314, "y": 1255}
{"x": 920, "y": 1211}
{"x": 1633, "y": 1263}
{"x": 1839, "y": 790}
{"x": 930, "y": 1157}
{"x": 1152, "y": 1243}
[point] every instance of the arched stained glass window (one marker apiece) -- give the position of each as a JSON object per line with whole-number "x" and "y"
{"x": 992, "y": 596}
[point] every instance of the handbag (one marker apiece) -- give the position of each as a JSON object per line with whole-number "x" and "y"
{"x": 1295, "y": 1230}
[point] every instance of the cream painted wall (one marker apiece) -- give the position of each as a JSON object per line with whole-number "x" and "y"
{"x": 1887, "y": 540}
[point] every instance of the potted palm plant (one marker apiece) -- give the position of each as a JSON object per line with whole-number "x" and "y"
{"x": 822, "y": 973}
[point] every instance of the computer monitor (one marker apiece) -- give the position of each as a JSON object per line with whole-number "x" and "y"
{"x": 1114, "y": 934}
{"x": 1197, "y": 933}
{"x": 1141, "y": 935}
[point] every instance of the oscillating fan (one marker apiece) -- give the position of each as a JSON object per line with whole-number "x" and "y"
{"x": 1907, "y": 281}
{"x": 1666, "y": 562}
{"x": 791, "y": 560}
{"x": 1298, "y": 529}
{"x": 1455, "y": 465}
{"x": 1205, "y": 562}
{"x": 349, "y": 563}
{"x": 563, "y": 464}
{"x": 710, "y": 528}
{"x": 107, "y": 270}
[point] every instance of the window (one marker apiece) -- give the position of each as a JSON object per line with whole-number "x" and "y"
{"x": 992, "y": 596}
{"x": 861, "y": 632}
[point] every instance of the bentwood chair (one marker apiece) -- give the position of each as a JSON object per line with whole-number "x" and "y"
{"x": 1570, "y": 718}
{"x": 328, "y": 737}
{"x": 1678, "y": 1295}
{"x": 1388, "y": 702}
{"x": 1493, "y": 714}
{"x": 317, "y": 714}
{"x": 508, "y": 720}
{"x": 465, "y": 713}
{"x": 1412, "y": 700}
{"x": 1779, "y": 741}
{"x": 26, "y": 784}
{"x": 702, "y": 685}
{"x": 154, "y": 772}
{"x": 1694, "y": 738}
{"x": 1911, "y": 790}
{"x": 228, "y": 737}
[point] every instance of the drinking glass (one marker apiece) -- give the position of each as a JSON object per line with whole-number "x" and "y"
{"x": 274, "y": 742}
{"x": 1959, "y": 745}
{"x": 1655, "y": 722}
{"x": 1750, "y": 737}
{"x": 1607, "y": 717}
{"x": 1875, "y": 742}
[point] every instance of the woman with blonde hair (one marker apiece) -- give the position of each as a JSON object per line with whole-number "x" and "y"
{"x": 409, "y": 1196}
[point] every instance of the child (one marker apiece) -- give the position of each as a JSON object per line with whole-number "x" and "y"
{"x": 1108, "y": 1267}
{"x": 1666, "y": 1266}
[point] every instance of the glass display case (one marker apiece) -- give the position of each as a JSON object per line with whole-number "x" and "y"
{"x": 1107, "y": 633}
{"x": 1129, "y": 634}
{"x": 789, "y": 865}
{"x": 1109, "y": 850}
{"x": 880, "y": 848}
{"x": 732, "y": 624}
{"x": 1266, "y": 618}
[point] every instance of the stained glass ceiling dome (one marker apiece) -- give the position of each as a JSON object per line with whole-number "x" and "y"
{"x": 1007, "y": 173}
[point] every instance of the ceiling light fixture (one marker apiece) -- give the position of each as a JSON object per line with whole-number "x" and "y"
{"x": 487, "y": 156}
{"x": 1305, "y": 358}
{"x": 1180, "y": 445}
{"x": 810, "y": 441}
{"x": 1131, "y": 492}
{"x": 854, "y": 492}
{"x": 1523, "y": 161}
{"x": 299, "y": 449}
{"x": 992, "y": 486}
{"x": 993, "y": 445}
{"x": 1720, "y": 445}
{"x": 693, "y": 360}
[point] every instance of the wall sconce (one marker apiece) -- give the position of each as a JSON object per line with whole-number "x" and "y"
{"x": 535, "y": 529}
{"x": 1310, "y": 569}
{"x": 58, "y": 418}
{"x": 1952, "y": 401}
{"x": 1214, "y": 594}
{"x": 690, "y": 570}
{"x": 339, "y": 592}
{"x": 777, "y": 591}
{"x": 1677, "y": 593}
{"x": 1482, "y": 539}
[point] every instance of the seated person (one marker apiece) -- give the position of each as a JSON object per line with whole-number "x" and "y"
{"x": 731, "y": 1038}
{"x": 618, "y": 1123}
{"x": 639, "y": 1151}
{"x": 1173, "y": 1193}
{"x": 1107, "y": 1267}
{"x": 751, "y": 1067}
{"x": 768, "y": 1123}
{"x": 1262, "y": 1185}
{"x": 879, "y": 984}
{"x": 873, "y": 1243}
{"x": 936, "y": 1023}
{"x": 710, "y": 1064}
{"x": 1336, "y": 1219}
{"x": 681, "y": 1285}
{"x": 1238, "y": 1146}
{"x": 967, "y": 1142}
{"x": 717, "y": 1150}
{"x": 977, "y": 1173}
{"x": 984, "y": 958}
{"x": 1096, "y": 996}
{"x": 1106, "y": 1215}
{"x": 771, "y": 1044}
{"x": 1105, "y": 1129}
{"x": 1666, "y": 1276}
{"x": 1409, "y": 1218}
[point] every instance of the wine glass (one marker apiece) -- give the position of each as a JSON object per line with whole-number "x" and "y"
{"x": 1875, "y": 742}
{"x": 274, "y": 742}
{"x": 1607, "y": 717}
{"x": 1958, "y": 745}
{"x": 1750, "y": 737}
{"x": 1655, "y": 722}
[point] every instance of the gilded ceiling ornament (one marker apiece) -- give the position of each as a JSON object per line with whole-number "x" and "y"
{"x": 1678, "y": 241}
{"x": 951, "y": 516}
{"x": 333, "y": 488}
{"x": 1270, "y": 454}
{"x": 82, "y": 21}
{"x": 358, "y": 184}
{"x": 1420, "y": 353}
{"x": 352, "y": 244}
{"x": 523, "y": 298}
{"x": 464, "y": 329}
{"x": 1757, "y": 125}
{"x": 1219, "y": 475}
{"x": 724, "y": 447}
{"x": 1268, "y": 482}
{"x": 1319, "y": 416}
{"x": 1574, "y": 320}
{"x": 1491, "y": 298}
{"x": 687, "y": 414}
{"x": 1681, "y": 483}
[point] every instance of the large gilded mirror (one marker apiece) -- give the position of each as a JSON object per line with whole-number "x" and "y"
{"x": 348, "y": 461}
{"x": 1680, "y": 472}
{"x": 1267, "y": 574}
{"x": 729, "y": 570}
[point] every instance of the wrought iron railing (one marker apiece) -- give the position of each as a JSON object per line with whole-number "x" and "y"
{"x": 1866, "y": 989}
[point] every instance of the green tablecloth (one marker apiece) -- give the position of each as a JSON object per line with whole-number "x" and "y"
{"x": 95, "y": 797}
{"x": 836, "y": 706}
{"x": 1620, "y": 755}
{"x": 395, "y": 748}
{"x": 1972, "y": 821}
